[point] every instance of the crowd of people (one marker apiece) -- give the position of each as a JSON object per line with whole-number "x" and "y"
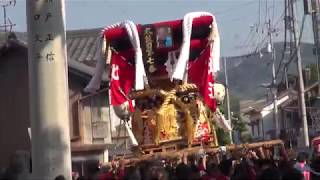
{"x": 248, "y": 167}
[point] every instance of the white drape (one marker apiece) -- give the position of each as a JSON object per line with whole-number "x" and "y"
{"x": 180, "y": 69}
{"x": 131, "y": 29}
{"x": 95, "y": 81}
{"x": 221, "y": 121}
{"x": 135, "y": 41}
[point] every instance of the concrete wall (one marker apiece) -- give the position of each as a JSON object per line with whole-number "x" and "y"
{"x": 268, "y": 126}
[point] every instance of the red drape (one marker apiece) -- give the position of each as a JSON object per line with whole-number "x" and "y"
{"x": 199, "y": 73}
{"x": 122, "y": 79}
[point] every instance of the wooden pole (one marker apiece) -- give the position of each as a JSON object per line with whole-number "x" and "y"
{"x": 208, "y": 150}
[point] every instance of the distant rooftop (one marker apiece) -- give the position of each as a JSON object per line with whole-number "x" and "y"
{"x": 259, "y": 105}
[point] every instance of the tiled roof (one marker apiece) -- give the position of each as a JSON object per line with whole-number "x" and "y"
{"x": 82, "y": 50}
{"x": 246, "y": 106}
{"x": 83, "y": 45}
{"x": 258, "y": 105}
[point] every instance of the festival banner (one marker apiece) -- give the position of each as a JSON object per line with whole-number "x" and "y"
{"x": 122, "y": 79}
{"x": 200, "y": 72}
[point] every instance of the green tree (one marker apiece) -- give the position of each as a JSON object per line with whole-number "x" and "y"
{"x": 238, "y": 124}
{"x": 313, "y": 72}
{"x": 223, "y": 137}
{"x": 245, "y": 137}
{"x": 234, "y": 104}
{"x": 239, "y": 127}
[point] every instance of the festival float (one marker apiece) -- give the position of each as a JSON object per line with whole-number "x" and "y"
{"x": 162, "y": 80}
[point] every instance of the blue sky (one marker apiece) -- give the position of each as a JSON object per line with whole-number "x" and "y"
{"x": 234, "y": 17}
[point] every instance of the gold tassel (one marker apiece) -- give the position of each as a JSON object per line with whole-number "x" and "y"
{"x": 215, "y": 138}
{"x": 137, "y": 126}
{"x": 188, "y": 120}
{"x": 190, "y": 127}
{"x": 166, "y": 120}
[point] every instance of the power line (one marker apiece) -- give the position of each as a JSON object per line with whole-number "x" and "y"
{"x": 273, "y": 9}
{"x": 259, "y": 12}
{"x": 256, "y": 36}
{"x": 264, "y": 39}
{"x": 285, "y": 37}
{"x": 293, "y": 56}
{"x": 7, "y": 24}
{"x": 255, "y": 41}
{"x": 237, "y": 19}
{"x": 300, "y": 37}
{"x": 247, "y": 38}
{"x": 251, "y": 37}
{"x": 235, "y": 7}
{"x": 266, "y": 17}
{"x": 258, "y": 47}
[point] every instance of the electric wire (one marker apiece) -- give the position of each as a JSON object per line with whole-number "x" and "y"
{"x": 235, "y": 7}
{"x": 285, "y": 39}
{"x": 294, "y": 55}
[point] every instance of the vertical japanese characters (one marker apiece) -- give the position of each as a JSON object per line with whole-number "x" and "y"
{"x": 44, "y": 38}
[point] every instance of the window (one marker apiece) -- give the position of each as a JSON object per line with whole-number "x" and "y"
{"x": 74, "y": 119}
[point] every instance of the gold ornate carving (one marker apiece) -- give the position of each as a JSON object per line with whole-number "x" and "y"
{"x": 163, "y": 120}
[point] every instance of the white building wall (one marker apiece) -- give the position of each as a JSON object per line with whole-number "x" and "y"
{"x": 268, "y": 125}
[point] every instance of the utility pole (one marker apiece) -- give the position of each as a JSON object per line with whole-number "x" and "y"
{"x": 48, "y": 89}
{"x": 286, "y": 20}
{"x": 273, "y": 87}
{"x": 286, "y": 77}
{"x": 228, "y": 98}
{"x": 316, "y": 34}
{"x": 301, "y": 83}
{"x": 7, "y": 23}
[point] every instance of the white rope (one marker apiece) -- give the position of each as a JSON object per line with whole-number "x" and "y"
{"x": 180, "y": 70}
{"x": 221, "y": 121}
{"x": 215, "y": 49}
{"x": 95, "y": 81}
{"x": 132, "y": 32}
{"x": 135, "y": 41}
